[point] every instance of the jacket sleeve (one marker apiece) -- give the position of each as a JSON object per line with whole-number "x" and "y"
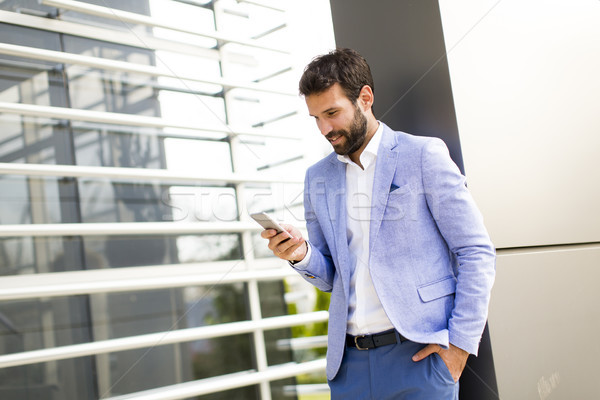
{"x": 461, "y": 225}
{"x": 319, "y": 270}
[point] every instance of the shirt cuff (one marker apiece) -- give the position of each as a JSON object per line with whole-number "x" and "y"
{"x": 304, "y": 262}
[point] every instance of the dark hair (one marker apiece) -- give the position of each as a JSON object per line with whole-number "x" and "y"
{"x": 343, "y": 66}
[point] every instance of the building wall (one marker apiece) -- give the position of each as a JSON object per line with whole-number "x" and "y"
{"x": 135, "y": 137}
{"x": 525, "y": 83}
{"x": 512, "y": 88}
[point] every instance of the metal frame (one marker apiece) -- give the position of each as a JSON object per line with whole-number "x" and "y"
{"x": 72, "y": 114}
{"x": 126, "y": 228}
{"x": 259, "y": 4}
{"x": 123, "y": 66}
{"x": 126, "y": 38}
{"x": 159, "y": 339}
{"x": 225, "y": 382}
{"x": 133, "y": 18}
{"x": 139, "y": 174}
{"x": 82, "y": 282}
{"x": 258, "y": 339}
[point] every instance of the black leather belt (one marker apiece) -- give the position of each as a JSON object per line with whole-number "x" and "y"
{"x": 366, "y": 342}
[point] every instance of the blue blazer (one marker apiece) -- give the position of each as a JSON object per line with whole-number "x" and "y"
{"x": 431, "y": 259}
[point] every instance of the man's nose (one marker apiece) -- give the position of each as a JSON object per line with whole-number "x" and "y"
{"x": 324, "y": 127}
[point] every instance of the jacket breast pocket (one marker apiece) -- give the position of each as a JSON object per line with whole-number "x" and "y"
{"x": 397, "y": 191}
{"x": 398, "y": 203}
{"x": 438, "y": 289}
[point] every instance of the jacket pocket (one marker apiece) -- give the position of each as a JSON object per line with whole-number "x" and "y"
{"x": 435, "y": 290}
{"x": 399, "y": 190}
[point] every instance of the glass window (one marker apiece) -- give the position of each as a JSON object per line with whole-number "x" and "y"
{"x": 56, "y": 380}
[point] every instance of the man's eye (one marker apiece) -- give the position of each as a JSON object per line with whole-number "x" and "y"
{"x": 331, "y": 113}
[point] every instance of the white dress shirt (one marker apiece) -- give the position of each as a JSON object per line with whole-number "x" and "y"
{"x": 365, "y": 312}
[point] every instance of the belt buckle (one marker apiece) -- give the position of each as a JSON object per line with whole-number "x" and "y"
{"x": 356, "y": 342}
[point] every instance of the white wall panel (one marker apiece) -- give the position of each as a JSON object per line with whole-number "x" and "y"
{"x": 544, "y": 319}
{"x": 525, "y": 82}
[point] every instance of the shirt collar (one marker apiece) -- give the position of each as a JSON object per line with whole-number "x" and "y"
{"x": 370, "y": 152}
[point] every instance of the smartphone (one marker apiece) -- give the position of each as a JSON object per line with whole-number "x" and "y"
{"x": 267, "y": 222}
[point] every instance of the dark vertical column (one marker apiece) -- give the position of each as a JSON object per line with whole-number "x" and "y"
{"x": 404, "y": 45}
{"x": 403, "y": 42}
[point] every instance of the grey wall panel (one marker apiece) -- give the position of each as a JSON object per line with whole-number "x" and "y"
{"x": 544, "y": 322}
{"x": 527, "y": 94}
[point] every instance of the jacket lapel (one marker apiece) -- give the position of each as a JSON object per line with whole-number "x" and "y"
{"x": 385, "y": 169}
{"x": 336, "y": 203}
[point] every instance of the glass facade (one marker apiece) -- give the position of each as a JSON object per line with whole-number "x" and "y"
{"x": 160, "y": 157}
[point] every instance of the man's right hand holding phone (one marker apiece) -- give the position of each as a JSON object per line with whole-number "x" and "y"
{"x": 288, "y": 248}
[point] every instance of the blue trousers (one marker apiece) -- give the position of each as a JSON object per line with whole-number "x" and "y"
{"x": 389, "y": 373}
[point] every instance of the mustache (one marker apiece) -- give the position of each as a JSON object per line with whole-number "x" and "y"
{"x": 333, "y": 134}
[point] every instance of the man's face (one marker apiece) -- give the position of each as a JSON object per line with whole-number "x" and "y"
{"x": 341, "y": 122}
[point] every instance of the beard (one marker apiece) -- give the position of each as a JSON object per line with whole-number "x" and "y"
{"x": 355, "y": 135}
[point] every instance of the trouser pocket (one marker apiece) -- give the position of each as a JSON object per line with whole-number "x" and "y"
{"x": 440, "y": 367}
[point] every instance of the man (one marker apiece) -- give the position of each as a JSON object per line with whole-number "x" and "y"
{"x": 396, "y": 238}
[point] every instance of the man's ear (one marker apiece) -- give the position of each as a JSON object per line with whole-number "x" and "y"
{"x": 366, "y": 98}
